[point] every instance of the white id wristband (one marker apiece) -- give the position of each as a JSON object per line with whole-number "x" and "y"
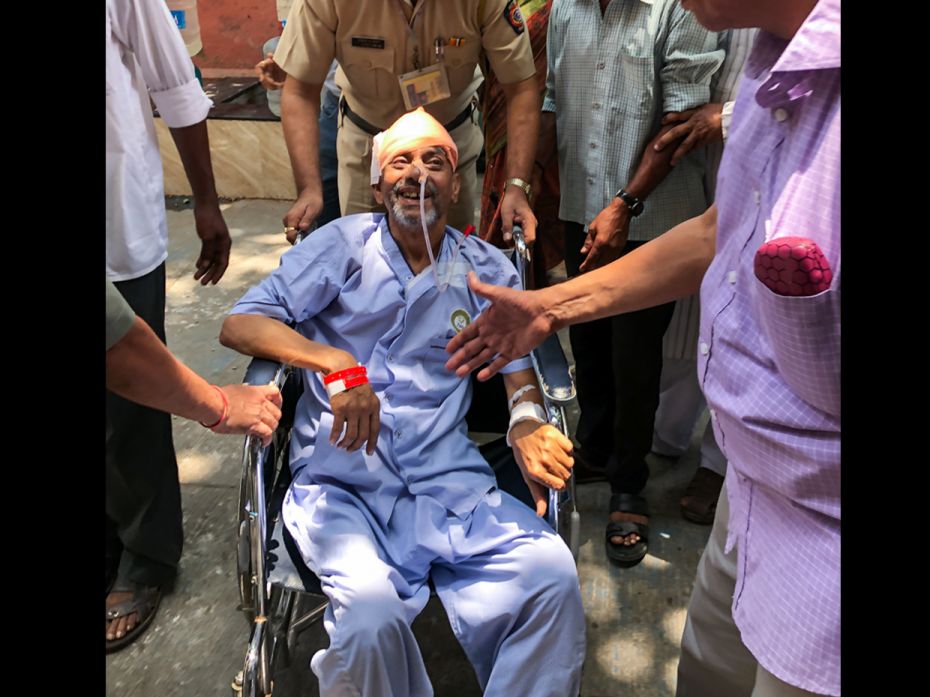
{"x": 519, "y": 393}
{"x": 525, "y": 411}
{"x": 335, "y": 387}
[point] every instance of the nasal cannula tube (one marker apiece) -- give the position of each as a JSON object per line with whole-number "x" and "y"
{"x": 441, "y": 287}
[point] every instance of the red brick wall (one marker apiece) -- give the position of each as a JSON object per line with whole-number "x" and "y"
{"x": 232, "y": 32}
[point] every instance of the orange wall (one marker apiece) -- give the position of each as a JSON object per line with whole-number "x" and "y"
{"x": 232, "y": 32}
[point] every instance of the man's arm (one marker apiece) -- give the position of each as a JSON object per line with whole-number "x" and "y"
{"x": 608, "y": 231}
{"x": 691, "y": 129}
{"x": 669, "y": 267}
{"x": 543, "y": 453}
{"x": 142, "y": 369}
{"x": 522, "y": 132}
{"x": 265, "y": 337}
{"x": 546, "y": 148}
{"x": 665, "y": 269}
{"x": 300, "y": 113}
{"x": 357, "y": 409}
{"x": 193, "y": 145}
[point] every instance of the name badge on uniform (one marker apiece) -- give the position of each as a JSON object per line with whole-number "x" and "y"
{"x": 368, "y": 41}
{"x": 424, "y": 86}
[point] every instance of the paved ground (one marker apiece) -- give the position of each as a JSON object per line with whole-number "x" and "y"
{"x": 197, "y": 642}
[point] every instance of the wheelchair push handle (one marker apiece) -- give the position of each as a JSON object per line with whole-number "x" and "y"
{"x": 519, "y": 242}
{"x": 522, "y": 256}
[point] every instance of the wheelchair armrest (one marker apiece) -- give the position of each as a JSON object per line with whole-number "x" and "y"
{"x": 261, "y": 372}
{"x": 552, "y": 372}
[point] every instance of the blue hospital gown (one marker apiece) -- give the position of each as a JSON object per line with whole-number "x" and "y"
{"x": 374, "y": 528}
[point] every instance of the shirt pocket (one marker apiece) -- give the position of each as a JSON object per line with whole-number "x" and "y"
{"x": 637, "y": 75}
{"x": 804, "y": 335}
{"x": 370, "y": 71}
{"x": 460, "y": 63}
{"x": 435, "y": 350}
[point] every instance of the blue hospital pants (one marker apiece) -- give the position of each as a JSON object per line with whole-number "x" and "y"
{"x": 507, "y": 581}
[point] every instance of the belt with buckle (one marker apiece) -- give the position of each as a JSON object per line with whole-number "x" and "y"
{"x": 374, "y": 130}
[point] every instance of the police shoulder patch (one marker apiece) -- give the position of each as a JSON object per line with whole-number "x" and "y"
{"x": 513, "y": 16}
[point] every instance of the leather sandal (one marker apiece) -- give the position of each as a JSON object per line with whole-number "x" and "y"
{"x": 144, "y": 602}
{"x": 621, "y": 554}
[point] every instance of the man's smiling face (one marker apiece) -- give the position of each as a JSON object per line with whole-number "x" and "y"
{"x": 399, "y": 188}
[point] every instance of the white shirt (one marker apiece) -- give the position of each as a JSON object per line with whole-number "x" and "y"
{"x": 145, "y": 57}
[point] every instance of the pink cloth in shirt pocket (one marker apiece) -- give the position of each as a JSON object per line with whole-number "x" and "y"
{"x": 803, "y": 334}
{"x": 792, "y": 266}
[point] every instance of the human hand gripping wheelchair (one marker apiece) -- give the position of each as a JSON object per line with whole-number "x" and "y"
{"x": 271, "y": 573}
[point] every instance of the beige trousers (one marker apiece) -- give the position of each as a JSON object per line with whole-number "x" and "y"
{"x": 714, "y": 662}
{"x": 353, "y": 148}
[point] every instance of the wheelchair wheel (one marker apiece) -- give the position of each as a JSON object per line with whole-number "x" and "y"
{"x": 276, "y": 458}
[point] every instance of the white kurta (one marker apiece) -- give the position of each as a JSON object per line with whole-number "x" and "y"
{"x": 145, "y": 57}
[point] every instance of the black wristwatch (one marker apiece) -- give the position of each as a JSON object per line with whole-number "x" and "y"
{"x": 633, "y": 203}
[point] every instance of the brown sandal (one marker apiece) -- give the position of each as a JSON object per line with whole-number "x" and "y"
{"x": 699, "y": 504}
{"x": 144, "y": 602}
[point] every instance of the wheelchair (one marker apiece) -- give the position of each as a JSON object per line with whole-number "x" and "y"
{"x": 272, "y": 576}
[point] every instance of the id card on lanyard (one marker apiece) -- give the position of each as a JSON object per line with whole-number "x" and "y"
{"x": 422, "y": 86}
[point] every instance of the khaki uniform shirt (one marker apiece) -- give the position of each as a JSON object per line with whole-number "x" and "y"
{"x": 374, "y": 41}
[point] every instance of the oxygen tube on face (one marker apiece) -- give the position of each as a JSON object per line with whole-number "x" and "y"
{"x": 429, "y": 247}
{"x": 443, "y": 285}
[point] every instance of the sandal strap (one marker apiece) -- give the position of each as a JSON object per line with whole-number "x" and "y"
{"x": 706, "y": 484}
{"x": 629, "y": 503}
{"x": 627, "y": 527}
{"x": 144, "y": 600}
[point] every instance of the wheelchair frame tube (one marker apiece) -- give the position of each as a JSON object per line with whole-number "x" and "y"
{"x": 258, "y": 526}
{"x": 258, "y": 521}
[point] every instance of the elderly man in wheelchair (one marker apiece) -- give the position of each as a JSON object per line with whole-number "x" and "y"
{"x": 388, "y": 491}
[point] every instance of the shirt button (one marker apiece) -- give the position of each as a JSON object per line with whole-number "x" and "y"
{"x": 596, "y": 105}
{"x": 731, "y": 277}
{"x": 590, "y": 180}
{"x": 390, "y": 358}
{"x": 398, "y": 434}
{"x": 781, "y": 114}
{"x": 592, "y": 145}
{"x": 704, "y": 348}
{"x": 757, "y": 196}
{"x": 601, "y": 65}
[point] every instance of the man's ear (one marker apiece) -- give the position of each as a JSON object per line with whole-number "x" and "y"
{"x": 456, "y": 186}
{"x": 376, "y": 190}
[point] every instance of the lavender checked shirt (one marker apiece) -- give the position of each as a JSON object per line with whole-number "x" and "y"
{"x": 769, "y": 365}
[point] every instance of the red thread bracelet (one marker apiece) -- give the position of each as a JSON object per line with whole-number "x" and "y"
{"x": 225, "y": 410}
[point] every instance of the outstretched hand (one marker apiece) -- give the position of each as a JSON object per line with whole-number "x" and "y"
{"x": 510, "y": 328}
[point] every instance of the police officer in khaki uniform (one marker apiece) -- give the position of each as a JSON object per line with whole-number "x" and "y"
{"x": 395, "y": 55}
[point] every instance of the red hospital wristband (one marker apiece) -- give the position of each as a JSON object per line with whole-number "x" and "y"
{"x": 343, "y": 374}
{"x": 343, "y": 380}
